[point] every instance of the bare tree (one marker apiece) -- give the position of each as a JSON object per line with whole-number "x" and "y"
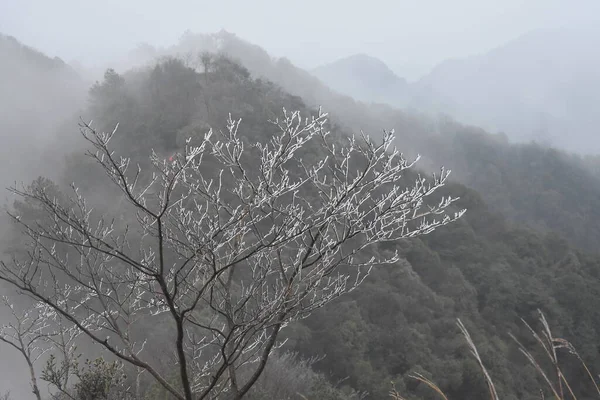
{"x": 36, "y": 331}
{"x": 25, "y": 334}
{"x": 233, "y": 242}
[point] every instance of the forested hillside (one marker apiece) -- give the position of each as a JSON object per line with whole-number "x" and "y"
{"x": 485, "y": 268}
{"x": 529, "y": 183}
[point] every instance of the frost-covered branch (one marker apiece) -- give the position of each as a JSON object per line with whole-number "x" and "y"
{"x": 34, "y": 332}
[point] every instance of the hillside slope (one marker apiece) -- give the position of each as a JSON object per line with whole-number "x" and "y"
{"x": 482, "y": 269}
{"x": 41, "y": 92}
{"x": 480, "y": 160}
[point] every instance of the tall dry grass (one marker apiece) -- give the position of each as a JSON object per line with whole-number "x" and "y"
{"x": 555, "y": 380}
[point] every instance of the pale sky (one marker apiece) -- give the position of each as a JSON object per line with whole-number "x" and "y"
{"x": 410, "y": 36}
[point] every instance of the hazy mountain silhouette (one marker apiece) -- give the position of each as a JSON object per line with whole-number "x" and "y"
{"x": 39, "y": 92}
{"x": 365, "y": 78}
{"x": 544, "y": 86}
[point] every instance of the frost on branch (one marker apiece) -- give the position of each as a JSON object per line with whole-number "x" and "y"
{"x": 35, "y": 331}
{"x": 231, "y": 242}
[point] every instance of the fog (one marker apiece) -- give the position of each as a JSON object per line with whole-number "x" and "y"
{"x": 515, "y": 66}
{"x": 529, "y": 69}
{"x": 410, "y": 37}
{"x": 40, "y": 97}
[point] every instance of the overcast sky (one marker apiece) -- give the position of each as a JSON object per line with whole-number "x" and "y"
{"x": 410, "y": 36}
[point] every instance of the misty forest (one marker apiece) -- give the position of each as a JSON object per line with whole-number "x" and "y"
{"x": 205, "y": 220}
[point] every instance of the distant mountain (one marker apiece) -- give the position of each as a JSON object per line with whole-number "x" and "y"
{"x": 34, "y": 81}
{"x": 38, "y": 93}
{"x": 544, "y": 86}
{"x": 364, "y": 78}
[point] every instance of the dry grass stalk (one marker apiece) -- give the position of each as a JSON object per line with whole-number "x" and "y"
{"x": 547, "y": 341}
{"x": 473, "y": 348}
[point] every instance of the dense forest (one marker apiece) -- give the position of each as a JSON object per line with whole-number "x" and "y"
{"x": 511, "y": 178}
{"x": 527, "y": 242}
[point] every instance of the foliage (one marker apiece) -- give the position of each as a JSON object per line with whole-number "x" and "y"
{"x": 99, "y": 380}
{"x": 290, "y": 377}
{"x": 96, "y": 380}
{"x": 481, "y": 270}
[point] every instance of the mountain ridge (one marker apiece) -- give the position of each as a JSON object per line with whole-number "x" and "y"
{"x": 364, "y": 78}
{"x": 527, "y": 88}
